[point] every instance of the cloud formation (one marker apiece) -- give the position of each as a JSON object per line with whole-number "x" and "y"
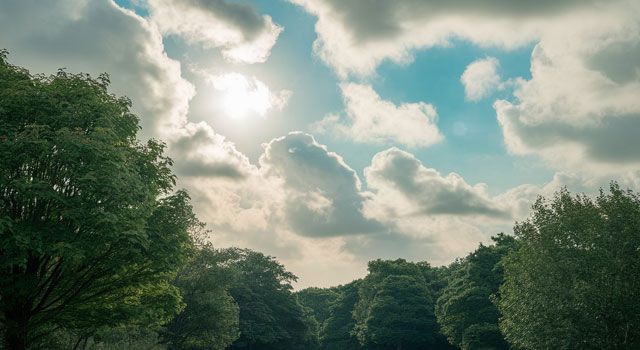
{"x": 370, "y": 119}
{"x": 323, "y": 194}
{"x": 354, "y": 37}
{"x": 236, "y": 28}
{"x": 405, "y": 187}
{"x": 481, "y": 78}
{"x": 96, "y": 37}
{"x": 580, "y": 110}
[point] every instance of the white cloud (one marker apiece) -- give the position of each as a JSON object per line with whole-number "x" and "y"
{"x": 95, "y": 37}
{"x": 481, "y": 78}
{"x": 242, "y": 96}
{"x": 374, "y": 120}
{"x": 354, "y": 37}
{"x": 243, "y": 34}
{"x": 580, "y": 110}
{"x": 405, "y": 187}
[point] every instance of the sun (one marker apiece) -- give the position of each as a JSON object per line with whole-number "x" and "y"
{"x": 241, "y": 96}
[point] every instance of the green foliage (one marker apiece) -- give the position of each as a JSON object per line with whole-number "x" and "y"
{"x": 318, "y": 300}
{"x": 338, "y": 330}
{"x": 573, "y": 282}
{"x": 270, "y": 315}
{"x": 395, "y": 307}
{"x": 210, "y": 319}
{"x": 465, "y": 312}
{"x": 90, "y": 232}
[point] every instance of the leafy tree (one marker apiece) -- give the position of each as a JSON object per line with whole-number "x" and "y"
{"x": 319, "y": 300}
{"x": 465, "y": 311}
{"x": 210, "y": 319}
{"x": 395, "y": 307}
{"x": 90, "y": 232}
{"x": 337, "y": 332}
{"x": 401, "y": 315}
{"x": 573, "y": 282}
{"x": 270, "y": 315}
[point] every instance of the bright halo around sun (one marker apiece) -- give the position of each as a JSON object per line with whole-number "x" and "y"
{"x": 243, "y": 97}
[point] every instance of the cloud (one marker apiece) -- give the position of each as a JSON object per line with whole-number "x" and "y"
{"x": 203, "y": 153}
{"x": 324, "y": 195}
{"x": 580, "y": 110}
{"x": 243, "y": 95}
{"x": 405, "y": 187}
{"x": 374, "y": 120}
{"x": 243, "y": 34}
{"x": 481, "y": 78}
{"x": 354, "y": 37}
{"x": 95, "y": 37}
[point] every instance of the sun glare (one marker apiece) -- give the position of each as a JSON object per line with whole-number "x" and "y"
{"x": 242, "y": 96}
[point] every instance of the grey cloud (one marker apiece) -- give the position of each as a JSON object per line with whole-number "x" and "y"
{"x": 325, "y": 196}
{"x": 432, "y": 193}
{"x": 238, "y": 15}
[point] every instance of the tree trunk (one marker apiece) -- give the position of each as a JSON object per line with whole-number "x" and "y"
{"x": 15, "y": 336}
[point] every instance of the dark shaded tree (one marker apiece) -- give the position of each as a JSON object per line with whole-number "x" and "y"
{"x": 318, "y": 300}
{"x": 465, "y": 310}
{"x": 90, "y": 231}
{"x": 270, "y": 315}
{"x": 395, "y": 308}
{"x": 338, "y": 330}
{"x": 210, "y": 318}
{"x": 573, "y": 281}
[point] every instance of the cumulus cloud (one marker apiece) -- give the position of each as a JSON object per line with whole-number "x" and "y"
{"x": 241, "y": 33}
{"x": 370, "y": 119}
{"x": 580, "y": 110}
{"x": 324, "y": 195}
{"x": 203, "y": 153}
{"x": 481, "y": 78}
{"x": 95, "y": 37}
{"x": 405, "y": 187}
{"x": 355, "y": 36}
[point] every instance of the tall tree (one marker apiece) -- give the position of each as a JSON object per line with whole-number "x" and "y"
{"x": 318, "y": 300}
{"x": 338, "y": 330}
{"x": 210, "y": 318}
{"x": 90, "y": 232}
{"x": 270, "y": 315}
{"x": 573, "y": 281}
{"x": 395, "y": 307}
{"x": 465, "y": 310}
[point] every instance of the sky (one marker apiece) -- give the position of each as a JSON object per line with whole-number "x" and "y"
{"x": 328, "y": 133}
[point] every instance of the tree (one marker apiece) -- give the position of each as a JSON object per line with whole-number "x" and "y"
{"x": 318, "y": 300}
{"x": 465, "y": 310}
{"x": 337, "y": 332}
{"x": 573, "y": 281}
{"x": 401, "y": 315}
{"x": 90, "y": 231}
{"x": 395, "y": 307}
{"x": 210, "y": 319}
{"x": 270, "y": 315}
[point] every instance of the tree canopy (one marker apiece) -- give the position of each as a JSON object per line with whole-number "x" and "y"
{"x": 91, "y": 230}
{"x": 573, "y": 282}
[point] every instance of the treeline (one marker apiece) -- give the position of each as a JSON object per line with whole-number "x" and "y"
{"x": 98, "y": 250}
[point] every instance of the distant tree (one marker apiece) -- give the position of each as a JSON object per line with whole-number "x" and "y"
{"x": 270, "y": 315}
{"x": 338, "y": 330}
{"x": 90, "y": 231}
{"x": 465, "y": 310}
{"x": 318, "y": 300}
{"x": 573, "y": 282}
{"x": 395, "y": 307}
{"x": 210, "y": 319}
{"x": 400, "y": 315}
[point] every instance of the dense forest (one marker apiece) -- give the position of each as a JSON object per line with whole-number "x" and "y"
{"x": 99, "y": 250}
